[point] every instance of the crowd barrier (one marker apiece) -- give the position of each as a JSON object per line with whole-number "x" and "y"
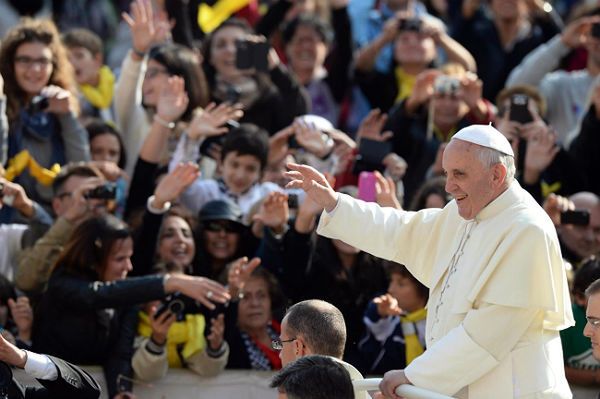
{"x": 406, "y": 391}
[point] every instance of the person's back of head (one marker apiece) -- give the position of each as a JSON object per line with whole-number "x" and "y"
{"x": 314, "y": 377}
{"x": 320, "y": 324}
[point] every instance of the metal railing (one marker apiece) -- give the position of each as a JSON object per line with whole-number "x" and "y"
{"x": 406, "y": 391}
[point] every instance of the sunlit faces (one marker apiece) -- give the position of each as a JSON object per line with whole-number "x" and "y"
{"x": 414, "y": 48}
{"x": 176, "y": 242}
{"x": 221, "y": 244}
{"x": 240, "y": 172}
{"x": 254, "y": 309}
{"x": 86, "y": 65}
{"x": 105, "y": 147}
{"x": 593, "y": 333}
{"x": 223, "y": 52}
{"x": 119, "y": 264}
{"x": 448, "y": 109}
{"x": 306, "y": 50}
{"x": 155, "y": 79}
{"x": 406, "y": 293}
{"x": 467, "y": 179}
{"x": 33, "y": 67}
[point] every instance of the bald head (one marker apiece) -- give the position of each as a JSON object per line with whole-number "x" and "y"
{"x": 585, "y": 200}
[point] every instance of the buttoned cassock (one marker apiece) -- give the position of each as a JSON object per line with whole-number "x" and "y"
{"x": 498, "y": 291}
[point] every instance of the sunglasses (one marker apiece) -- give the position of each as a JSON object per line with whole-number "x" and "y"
{"x": 219, "y": 226}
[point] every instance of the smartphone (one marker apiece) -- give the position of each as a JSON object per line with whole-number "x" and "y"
{"x": 410, "y": 24}
{"x": 578, "y": 217}
{"x": 596, "y": 30}
{"x": 250, "y": 54}
{"x": 292, "y": 201}
{"x": 519, "y": 109}
{"x": 38, "y": 104}
{"x": 366, "y": 187}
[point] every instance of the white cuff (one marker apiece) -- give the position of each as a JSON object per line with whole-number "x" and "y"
{"x": 40, "y": 367}
{"x": 157, "y": 211}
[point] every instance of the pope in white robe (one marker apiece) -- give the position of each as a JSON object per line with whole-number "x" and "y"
{"x": 491, "y": 259}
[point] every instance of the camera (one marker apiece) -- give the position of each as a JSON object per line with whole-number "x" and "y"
{"x": 578, "y": 217}
{"x": 446, "y": 85}
{"x": 38, "y": 104}
{"x": 251, "y": 54}
{"x": 519, "y": 109}
{"x": 370, "y": 156}
{"x": 410, "y": 24}
{"x": 106, "y": 191}
{"x": 179, "y": 305}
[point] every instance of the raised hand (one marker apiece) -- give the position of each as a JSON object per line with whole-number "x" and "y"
{"x": 109, "y": 170}
{"x": 274, "y": 211}
{"x": 144, "y": 33}
{"x": 210, "y": 121}
{"x": 312, "y": 139}
{"x": 217, "y": 332}
{"x": 80, "y": 208}
{"x": 238, "y": 274}
{"x": 423, "y": 89}
{"x": 555, "y": 204}
{"x": 313, "y": 183}
{"x": 173, "y": 100}
{"x": 472, "y": 89}
{"x": 385, "y": 190}
{"x": 22, "y": 315}
{"x": 387, "y": 306}
{"x": 541, "y": 151}
{"x": 371, "y": 126}
{"x": 278, "y": 144}
{"x": 172, "y": 185}
{"x": 576, "y": 33}
{"x": 201, "y": 289}
{"x": 13, "y": 194}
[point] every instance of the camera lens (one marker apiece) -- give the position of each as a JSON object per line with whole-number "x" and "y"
{"x": 176, "y": 306}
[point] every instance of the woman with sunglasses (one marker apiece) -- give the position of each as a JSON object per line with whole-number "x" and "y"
{"x": 40, "y": 107}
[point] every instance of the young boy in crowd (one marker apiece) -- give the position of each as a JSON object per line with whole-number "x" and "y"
{"x": 96, "y": 81}
{"x": 243, "y": 160}
{"x": 395, "y": 323}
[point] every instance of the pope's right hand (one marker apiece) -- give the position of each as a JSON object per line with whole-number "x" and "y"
{"x": 314, "y": 184}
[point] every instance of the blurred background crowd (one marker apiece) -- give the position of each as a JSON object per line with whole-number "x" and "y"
{"x": 143, "y": 147}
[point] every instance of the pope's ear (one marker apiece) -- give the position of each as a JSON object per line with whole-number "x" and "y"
{"x": 499, "y": 172}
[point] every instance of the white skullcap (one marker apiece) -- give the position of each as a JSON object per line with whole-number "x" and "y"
{"x": 485, "y": 136}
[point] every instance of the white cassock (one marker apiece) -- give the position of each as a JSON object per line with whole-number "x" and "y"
{"x": 498, "y": 291}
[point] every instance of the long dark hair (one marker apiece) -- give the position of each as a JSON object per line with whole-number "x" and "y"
{"x": 87, "y": 251}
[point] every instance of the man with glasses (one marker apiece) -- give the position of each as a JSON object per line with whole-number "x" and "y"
{"x": 592, "y": 314}
{"x": 314, "y": 327}
{"x": 71, "y": 206}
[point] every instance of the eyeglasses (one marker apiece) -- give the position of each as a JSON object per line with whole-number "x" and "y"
{"x": 277, "y": 344}
{"x": 151, "y": 73}
{"x": 594, "y": 322}
{"x": 28, "y": 62}
{"x": 227, "y": 227}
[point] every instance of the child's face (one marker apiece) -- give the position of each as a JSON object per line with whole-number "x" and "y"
{"x": 240, "y": 172}
{"x": 85, "y": 64}
{"x": 406, "y": 293}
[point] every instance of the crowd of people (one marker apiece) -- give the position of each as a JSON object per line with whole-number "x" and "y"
{"x": 147, "y": 219}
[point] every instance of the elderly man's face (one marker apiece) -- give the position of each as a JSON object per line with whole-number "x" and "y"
{"x": 584, "y": 241}
{"x": 468, "y": 180}
{"x": 593, "y": 333}
{"x": 288, "y": 353}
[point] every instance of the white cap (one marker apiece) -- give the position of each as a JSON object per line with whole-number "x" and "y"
{"x": 485, "y": 136}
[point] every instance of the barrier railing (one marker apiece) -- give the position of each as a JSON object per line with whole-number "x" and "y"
{"x": 406, "y": 391}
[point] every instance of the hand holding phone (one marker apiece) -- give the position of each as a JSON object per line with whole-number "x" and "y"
{"x": 252, "y": 55}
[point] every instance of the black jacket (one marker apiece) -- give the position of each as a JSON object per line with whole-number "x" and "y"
{"x": 91, "y": 322}
{"x": 72, "y": 383}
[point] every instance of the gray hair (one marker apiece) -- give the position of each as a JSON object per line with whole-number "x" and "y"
{"x": 490, "y": 157}
{"x": 593, "y": 289}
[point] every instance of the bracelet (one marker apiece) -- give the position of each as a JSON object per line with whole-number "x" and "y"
{"x": 157, "y": 211}
{"x": 140, "y": 54}
{"x": 164, "y": 123}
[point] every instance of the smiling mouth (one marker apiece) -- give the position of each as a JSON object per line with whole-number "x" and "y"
{"x": 460, "y": 198}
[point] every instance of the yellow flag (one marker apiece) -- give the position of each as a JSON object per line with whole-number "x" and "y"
{"x": 209, "y": 18}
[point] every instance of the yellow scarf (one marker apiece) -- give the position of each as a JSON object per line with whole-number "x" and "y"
{"x": 24, "y": 160}
{"x": 189, "y": 333}
{"x": 409, "y": 329}
{"x": 100, "y": 96}
{"x": 211, "y": 17}
{"x": 405, "y": 83}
